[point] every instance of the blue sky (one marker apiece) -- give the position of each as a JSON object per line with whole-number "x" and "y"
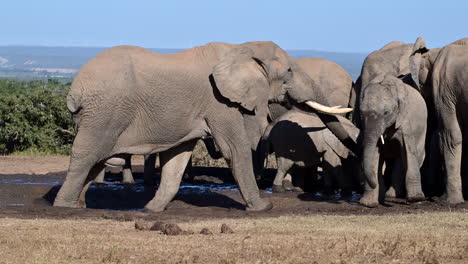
{"x": 331, "y": 25}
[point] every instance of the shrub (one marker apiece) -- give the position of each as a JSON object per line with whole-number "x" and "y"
{"x": 34, "y": 116}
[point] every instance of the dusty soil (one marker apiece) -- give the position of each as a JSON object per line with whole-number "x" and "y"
{"x": 28, "y": 186}
{"x": 301, "y": 228}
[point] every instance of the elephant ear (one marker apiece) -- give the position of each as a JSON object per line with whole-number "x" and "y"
{"x": 402, "y": 95}
{"x": 415, "y": 61}
{"x": 241, "y": 79}
{"x": 335, "y": 144}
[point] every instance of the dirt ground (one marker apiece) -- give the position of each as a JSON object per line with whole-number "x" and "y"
{"x": 28, "y": 186}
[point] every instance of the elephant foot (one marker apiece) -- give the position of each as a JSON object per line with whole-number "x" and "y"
{"x": 369, "y": 200}
{"x": 260, "y": 205}
{"x": 287, "y": 185}
{"x": 391, "y": 193}
{"x": 154, "y": 208}
{"x": 278, "y": 189}
{"x": 415, "y": 197}
{"x": 73, "y": 204}
{"x": 456, "y": 198}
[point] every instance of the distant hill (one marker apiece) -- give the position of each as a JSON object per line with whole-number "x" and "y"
{"x": 32, "y": 63}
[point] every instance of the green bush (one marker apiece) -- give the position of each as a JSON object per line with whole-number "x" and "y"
{"x": 34, "y": 117}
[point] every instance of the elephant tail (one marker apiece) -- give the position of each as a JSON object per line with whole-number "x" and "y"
{"x": 74, "y": 99}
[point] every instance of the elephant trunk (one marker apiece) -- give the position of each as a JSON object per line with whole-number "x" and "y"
{"x": 264, "y": 149}
{"x": 371, "y": 134}
{"x": 368, "y": 159}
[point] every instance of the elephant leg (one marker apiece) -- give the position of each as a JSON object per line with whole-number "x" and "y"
{"x": 173, "y": 163}
{"x": 288, "y": 182}
{"x": 148, "y": 174}
{"x": 83, "y": 168}
{"x": 188, "y": 171}
{"x": 450, "y": 142}
{"x": 127, "y": 171}
{"x": 100, "y": 176}
{"x": 412, "y": 163}
{"x": 232, "y": 141}
{"x": 284, "y": 165}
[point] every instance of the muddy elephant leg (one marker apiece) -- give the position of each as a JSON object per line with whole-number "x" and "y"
{"x": 450, "y": 142}
{"x": 81, "y": 171}
{"x": 397, "y": 187}
{"x": 148, "y": 174}
{"x": 100, "y": 176}
{"x": 284, "y": 165}
{"x": 127, "y": 171}
{"x": 173, "y": 163}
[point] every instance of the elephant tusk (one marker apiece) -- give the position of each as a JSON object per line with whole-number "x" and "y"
{"x": 327, "y": 109}
{"x": 381, "y": 139}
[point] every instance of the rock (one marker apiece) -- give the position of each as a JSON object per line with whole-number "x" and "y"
{"x": 225, "y": 229}
{"x": 172, "y": 230}
{"x": 140, "y": 225}
{"x": 158, "y": 226}
{"x": 206, "y": 231}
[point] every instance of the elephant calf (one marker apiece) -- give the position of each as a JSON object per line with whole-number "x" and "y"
{"x": 397, "y": 113}
{"x": 302, "y": 140}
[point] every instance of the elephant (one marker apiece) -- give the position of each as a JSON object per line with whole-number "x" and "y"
{"x": 442, "y": 76}
{"x": 129, "y": 100}
{"x": 302, "y": 140}
{"x": 393, "y": 59}
{"x": 396, "y": 112}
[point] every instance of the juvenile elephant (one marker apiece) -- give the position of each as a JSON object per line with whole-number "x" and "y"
{"x": 393, "y": 59}
{"x": 128, "y": 100}
{"x": 396, "y": 112}
{"x": 442, "y": 76}
{"x": 302, "y": 140}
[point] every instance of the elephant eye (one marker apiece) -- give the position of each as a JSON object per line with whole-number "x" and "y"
{"x": 385, "y": 113}
{"x": 289, "y": 70}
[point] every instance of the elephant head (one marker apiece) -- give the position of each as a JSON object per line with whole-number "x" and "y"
{"x": 382, "y": 107}
{"x": 256, "y": 74}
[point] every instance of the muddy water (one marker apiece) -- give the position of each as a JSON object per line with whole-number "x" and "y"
{"x": 203, "y": 190}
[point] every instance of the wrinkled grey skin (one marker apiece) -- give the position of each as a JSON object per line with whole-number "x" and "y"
{"x": 128, "y": 100}
{"x": 331, "y": 80}
{"x": 442, "y": 76}
{"x": 302, "y": 140}
{"x": 396, "y": 111}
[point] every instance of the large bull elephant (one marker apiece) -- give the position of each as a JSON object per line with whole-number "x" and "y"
{"x": 395, "y": 112}
{"x": 442, "y": 75}
{"x": 128, "y": 100}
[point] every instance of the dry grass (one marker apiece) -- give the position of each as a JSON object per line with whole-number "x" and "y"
{"x": 416, "y": 238}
